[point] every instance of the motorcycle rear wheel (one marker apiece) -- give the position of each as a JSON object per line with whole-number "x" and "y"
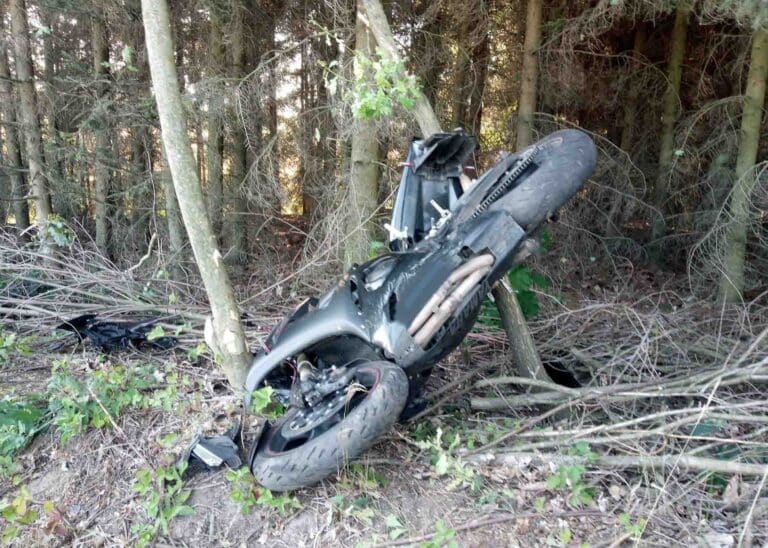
{"x": 292, "y": 454}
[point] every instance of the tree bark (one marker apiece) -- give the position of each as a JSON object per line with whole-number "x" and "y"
{"x": 52, "y": 146}
{"x": 521, "y": 342}
{"x": 373, "y": 17}
{"x": 628, "y": 126}
{"x": 14, "y": 171}
{"x": 732, "y": 283}
{"x": 227, "y": 330}
{"x": 30, "y": 124}
{"x": 530, "y": 74}
{"x": 669, "y": 115}
{"x": 630, "y": 104}
{"x": 362, "y": 196}
{"x": 239, "y": 203}
{"x": 103, "y": 147}
{"x": 215, "y": 149}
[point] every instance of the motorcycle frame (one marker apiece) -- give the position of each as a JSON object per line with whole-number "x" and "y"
{"x": 368, "y": 313}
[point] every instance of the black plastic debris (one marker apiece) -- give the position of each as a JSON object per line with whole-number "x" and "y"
{"x": 116, "y": 335}
{"x": 211, "y": 452}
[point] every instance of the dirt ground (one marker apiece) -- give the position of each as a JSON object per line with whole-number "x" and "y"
{"x": 84, "y": 490}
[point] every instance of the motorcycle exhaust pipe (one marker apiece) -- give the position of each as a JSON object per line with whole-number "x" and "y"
{"x": 449, "y": 306}
{"x": 432, "y": 306}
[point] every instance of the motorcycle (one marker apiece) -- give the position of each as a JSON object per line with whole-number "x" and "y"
{"x": 348, "y": 364}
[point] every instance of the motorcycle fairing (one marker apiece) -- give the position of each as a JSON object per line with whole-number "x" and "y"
{"x": 431, "y": 172}
{"x": 377, "y": 300}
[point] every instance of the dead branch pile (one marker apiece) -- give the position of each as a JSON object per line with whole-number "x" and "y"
{"x": 40, "y": 291}
{"x": 675, "y": 393}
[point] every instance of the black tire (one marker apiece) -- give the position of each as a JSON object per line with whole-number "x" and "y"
{"x": 321, "y": 456}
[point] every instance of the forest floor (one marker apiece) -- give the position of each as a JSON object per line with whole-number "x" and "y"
{"x": 670, "y": 376}
{"x": 393, "y": 496}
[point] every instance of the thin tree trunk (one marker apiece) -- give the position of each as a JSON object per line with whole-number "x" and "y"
{"x": 375, "y": 19}
{"x": 52, "y": 146}
{"x": 521, "y": 342}
{"x": 480, "y": 59}
{"x": 530, "y": 74}
{"x": 669, "y": 115}
{"x": 364, "y": 176}
{"x": 200, "y": 157}
{"x": 215, "y": 150}
{"x": 628, "y": 126}
{"x": 228, "y": 332}
{"x": 461, "y": 78}
{"x": 19, "y": 203}
{"x": 631, "y": 102}
{"x": 173, "y": 218}
{"x": 239, "y": 144}
{"x": 732, "y": 283}
{"x": 103, "y": 148}
{"x": 30, "y": 123}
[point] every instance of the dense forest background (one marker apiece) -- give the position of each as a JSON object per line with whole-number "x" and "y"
{"x": 648, "y": 305}
{"x": 269, "y": 91}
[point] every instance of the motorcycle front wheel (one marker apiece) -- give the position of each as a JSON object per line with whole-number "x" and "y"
{"x": 307, "y": 445}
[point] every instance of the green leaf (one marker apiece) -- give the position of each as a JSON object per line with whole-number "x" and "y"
{"x": 156, "y": 333}
{"x": 442, "y": 465}
{"x": 529, "y": 303}
{"x": 520, "y": 278}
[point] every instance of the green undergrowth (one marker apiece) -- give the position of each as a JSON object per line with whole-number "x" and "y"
{"x": 74, "y": 402}
{"x": 249, "y": 495}
{"x": 163, "y": 498}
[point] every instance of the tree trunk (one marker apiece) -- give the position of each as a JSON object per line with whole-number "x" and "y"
{"x": 215, "y": 150}
{"x": 628, "y": 126}
{"x": 228, "y": 332}
{"x": 669, "y": 115}
{"x": 732, "y": 283}
{"x": 460, "y": 81}
{"x": 239, "y": 144}
{"x": 480, "y": 59}
{"x": 52, "y": 146}
{"x": 103, "y": 148}
{"x": 364, "y": 173}
{"x": 30, "y": 124}
{"x": 521, "y": 342}
{"x": 18, "y": 193}
{"x": 530, "y": 74}
{"x": 630, "y": 104}
{"x": 373, "y": 17}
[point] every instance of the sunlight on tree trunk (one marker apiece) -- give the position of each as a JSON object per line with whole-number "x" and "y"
{"x": 362, "y": 196}
{"x": 30, "y": 124}
{"x": 669, "y": 115}
{"x": 376, "y": 20}
{"x": 227, "y": 330}
{"x": 19, "y": 204}
{"x": 732, "y": 283}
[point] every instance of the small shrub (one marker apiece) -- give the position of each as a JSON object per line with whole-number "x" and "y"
{"x": 570, "y": 477}
{"x": 164, "y": 499}
{"x": 248, "y": 494}
{"x": 17, "y": 514}
{"x": 11, "y": 344}
{"x": 77, "y": 403}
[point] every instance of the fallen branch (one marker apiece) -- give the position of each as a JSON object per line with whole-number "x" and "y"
{"x": 700, "y": 464}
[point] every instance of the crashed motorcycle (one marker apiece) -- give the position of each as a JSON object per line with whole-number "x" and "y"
{"x": 347, "y": 365}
